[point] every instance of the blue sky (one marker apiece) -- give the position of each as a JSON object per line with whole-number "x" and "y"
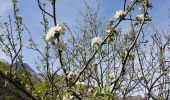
{"x": 67, "y": 11}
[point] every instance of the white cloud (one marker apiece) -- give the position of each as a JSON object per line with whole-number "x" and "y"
{"x": 5, "y": 6}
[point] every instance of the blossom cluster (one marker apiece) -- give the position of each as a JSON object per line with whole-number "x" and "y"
{"x": 95, "y": 40}
{"x": 140, "y": 17}
{"x": 119, "y": 14}
{"x": 54, "y": 31}
{"x": 61, "y": 46}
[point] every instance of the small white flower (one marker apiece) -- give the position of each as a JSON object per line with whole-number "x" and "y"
{"x": 80, "y": 83}
{"x": 119, "y": 14}
{"x": 26, "y": 85}
{"x": 61, "y": 46}
{"x": 111, "y": 19}
{"x": 141, "y": 77}
{"x": 59, "y": 29}
{"x": 71, "y": 97}
{"x": 140, "y": 17}
{"x": 107, "y": 32}
{"x": 96, "y": 85}
{"x": 95, "y": 40}
{"x": 90, "y": 89}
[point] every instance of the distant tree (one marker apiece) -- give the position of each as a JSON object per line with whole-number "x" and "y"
{"x": 94, "y": 61}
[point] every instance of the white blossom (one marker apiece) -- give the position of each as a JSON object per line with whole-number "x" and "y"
{"x": 108, "y": 32}
{"x": 26, "y": 85}
{"x": 95, "y": 85}
{"x": 61, "y": 46}
{"x": 140, "y": 17}
{"x": 71, "y": 97}
{"x": 111, "y": 19}
{"x": 119, "y": 14}
{"x": 141, "y": 77}
{"x": 95, "y": 40}
{"x": 50, "y": 36}
{"x": 59, "y": 29}
{"x": 80, "y": 83}
{"x": 90, "y": 89}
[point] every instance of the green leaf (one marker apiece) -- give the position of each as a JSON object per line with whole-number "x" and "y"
{"x": 96, "y": 93}
{"x": 129, "y": 8}
{"x": 111, "y": 77}
{"x": 3, "y": 67}
{"x": 110, "y": 41}
{"x": 114, "y": 32}
{"x": 105, "y": 90}
{"x": 6, "y": 47}
{"x": 131, "y": 56}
